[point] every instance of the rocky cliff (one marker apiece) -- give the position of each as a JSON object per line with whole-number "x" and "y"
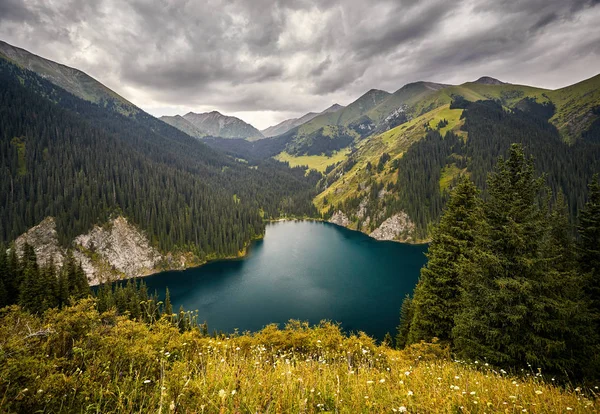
{"x": 114, "y": 251}
{"x": 44, "y": 240}
{"x": 398, "y": 227}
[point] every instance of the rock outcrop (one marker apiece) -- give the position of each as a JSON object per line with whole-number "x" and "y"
{"x": 114, "y": 251}
{"x": 398, "y": 227}
{"x": 340, "y": 219}
{"x": 44, "y": 240}
{"x": 119, "y": 246}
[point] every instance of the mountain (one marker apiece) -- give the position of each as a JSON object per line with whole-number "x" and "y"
{"x": 88, "y": 166}
{"x": 218, "y": 125}
{"x": 285, "y": 126}
{"x": 456, "y": 130}
{"x": 184, "y": 125}
{"x": 487, "y": 80}
{"x": 72, "y": 80}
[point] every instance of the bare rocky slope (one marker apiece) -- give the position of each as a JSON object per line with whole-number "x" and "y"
{"x": 117, "y": 250}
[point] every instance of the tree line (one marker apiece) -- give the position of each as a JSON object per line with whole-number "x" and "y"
{"x": 506, "y": 282}
{"x": 38, "y": 288}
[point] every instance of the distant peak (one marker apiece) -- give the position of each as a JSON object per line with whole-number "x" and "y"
{"x": 487, "y": 80}
{"x": 333, "y": 108}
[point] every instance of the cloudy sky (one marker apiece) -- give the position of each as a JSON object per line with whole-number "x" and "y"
{"x": 268, "y": 60}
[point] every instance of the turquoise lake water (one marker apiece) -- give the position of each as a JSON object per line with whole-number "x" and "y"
{"x": 301, "y": 270}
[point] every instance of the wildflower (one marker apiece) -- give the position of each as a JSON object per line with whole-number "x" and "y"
{"x": 237, "y": 349}
{"x": 402, "y": 409}
{"x": 457, "y": 377}
{"x": 369, "y": 382}
{"x": 40, "y": 391}
{"x": 569, "y": 409}
{"x": 407, "y": 373}
{"x": 410, "y": 393}
{"x": 538, "y": 392}
{"x": 381, "y": 381}
{"x": 222, "y": 393}
{"x": 147, "y": 381}
{"x": 233, "y": 392}
{"x": 472, "y": 393}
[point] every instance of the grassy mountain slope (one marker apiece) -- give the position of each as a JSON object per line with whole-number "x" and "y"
{"x": 78, "y": 358}
{"x": 72, "y": 80}
{"x": 576, "y": 107}
{"x": 345, "y": 181}
{"x": 565, "y": 113}
{"x": 288, "y": 124}
{"x": 407, "y": 95}
{"x": 184, "y": 125}
{"x": 347, "y": 115}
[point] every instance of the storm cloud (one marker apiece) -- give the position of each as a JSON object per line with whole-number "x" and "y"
{"x": 266, "y": 60}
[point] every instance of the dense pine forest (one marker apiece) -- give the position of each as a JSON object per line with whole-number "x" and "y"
{"x": 506, "y": 282}
{"x": 81, "y": 163}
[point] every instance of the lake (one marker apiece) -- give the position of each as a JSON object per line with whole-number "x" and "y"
{"x": 301, "y": 270}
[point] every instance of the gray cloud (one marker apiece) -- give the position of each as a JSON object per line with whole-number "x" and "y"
{"x": 266, "y": 59}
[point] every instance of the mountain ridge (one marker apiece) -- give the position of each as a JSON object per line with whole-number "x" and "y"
{"x": 216, "y": 124}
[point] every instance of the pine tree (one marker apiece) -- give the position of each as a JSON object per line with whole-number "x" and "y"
{"x": 33, "y": 289}
{"x": 570, "y": 321}
{"x": 406, "y": 317}
{"x": 508, "y": 315}
{"x": 589, "y": 247}
{"x": 168, "y": 305}
{"x": 4, "y": 277}
{"x": 437, "y": 297}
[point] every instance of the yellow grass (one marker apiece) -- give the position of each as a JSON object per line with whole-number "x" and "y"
{"x": 88, "y": 362}
{"x": 314, "y": 162}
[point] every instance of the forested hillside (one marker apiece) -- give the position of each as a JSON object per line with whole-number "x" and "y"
{"x": 81, "y": 162}
{"x": 507, "y": 282}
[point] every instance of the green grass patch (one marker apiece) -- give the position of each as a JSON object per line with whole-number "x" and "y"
{"x": 313, "y": 162}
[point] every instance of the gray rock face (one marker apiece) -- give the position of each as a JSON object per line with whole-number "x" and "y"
{"x": 44, "y": 240}
{"x": 122, "y": 247}
{"x": 115, "y": 251}
{"x": 340, "y": 219}
{"x": 398, "y": 227}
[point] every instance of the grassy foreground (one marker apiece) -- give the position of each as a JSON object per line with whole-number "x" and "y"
{"x": 77, "y": 360}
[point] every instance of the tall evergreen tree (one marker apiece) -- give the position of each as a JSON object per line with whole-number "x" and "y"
{"x": 406, "y": 317}
{"x": 509, "y": 314}
{"x": 589, "y": 247}
{"x": 168, "y": 305}
{"x": 437, "y": 296}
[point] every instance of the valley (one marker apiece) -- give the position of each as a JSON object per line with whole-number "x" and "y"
{"x": 299, "y": 207}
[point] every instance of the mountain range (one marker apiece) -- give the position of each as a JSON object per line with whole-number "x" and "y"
{"x": 285, "y": 126}
{"x": 383, "y": 164}
{"x": 213, "y": 124}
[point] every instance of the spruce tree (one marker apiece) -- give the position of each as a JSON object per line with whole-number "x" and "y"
{"x": 406, "y": 317}
{"x": 168, "y": 305}
{"x": 437, "y": 297}
{"x": 509, "y": 314}
{"x": 589, "y": 247}
{"x": 570, "y": 321}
